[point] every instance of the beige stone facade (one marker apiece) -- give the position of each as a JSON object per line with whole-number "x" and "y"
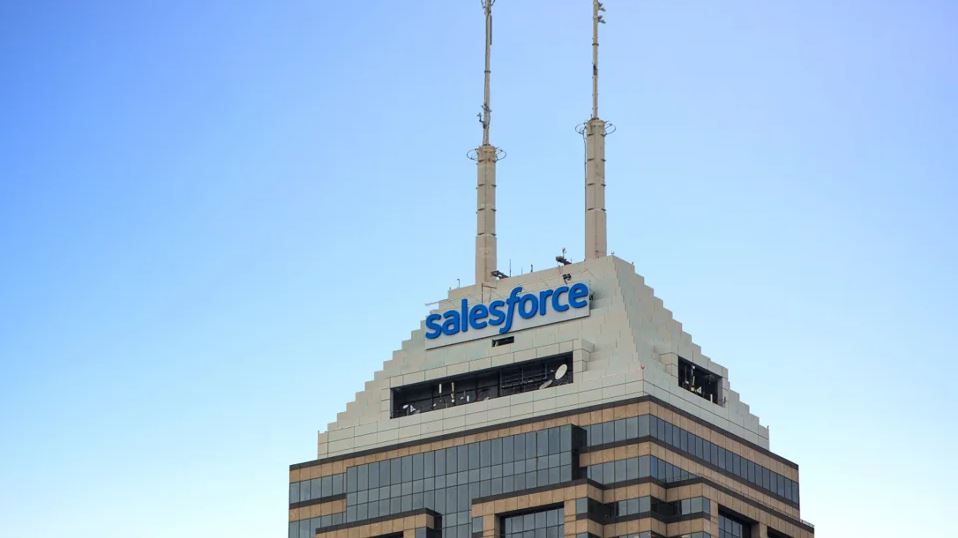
{"x": 663, "y": 445}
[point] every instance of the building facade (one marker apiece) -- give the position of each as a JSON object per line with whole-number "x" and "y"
{"x": 562, "y": 403}
{"x": 594, "y": 415}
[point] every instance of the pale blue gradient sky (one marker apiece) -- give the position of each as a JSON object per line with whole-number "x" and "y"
{"x": 217, "y": 219}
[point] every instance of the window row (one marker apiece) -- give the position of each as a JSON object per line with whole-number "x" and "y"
{"x": 650, "y": 534}
{"x": 482, "y": 385}
{"x": 541, "y": 446}
{"x": 541, "y": 524}
{"x": 693, "y": 445}
{"x": 665, "y": 509}
{"x": 306, "y": 528}
{"x": 516, "y": 455}
{"x": 450, "y": 498}
{"x": 317, "y": 488}
{"x": 609, "y": 512}
{"x": 371, "y": 492}
{"x": 635, "y": 468}
{"x": 731, "y": 527}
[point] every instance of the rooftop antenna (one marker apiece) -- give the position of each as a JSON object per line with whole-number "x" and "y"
{"x": 486, "y": 156}
{"x": 594, "y": 132}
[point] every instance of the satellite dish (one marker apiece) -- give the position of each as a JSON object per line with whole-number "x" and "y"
{"x": 560, "y": 371}
{"x": 546, "y": 384}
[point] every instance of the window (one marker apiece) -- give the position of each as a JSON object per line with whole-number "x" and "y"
{"x": 482, "y": 385}
{"x": 733, "y": 527}
{"x": 541, "y": 524}
{"x": 700, "y": 381}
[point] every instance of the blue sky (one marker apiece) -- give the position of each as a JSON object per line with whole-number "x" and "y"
{"x": 217, "y": 219}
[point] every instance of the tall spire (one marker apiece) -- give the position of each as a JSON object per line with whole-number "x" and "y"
{"x": 594, "y": 131}
{"x": 486, "y": 156}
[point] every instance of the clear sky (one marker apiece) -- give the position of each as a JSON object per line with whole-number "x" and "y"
{"x": 218, "y": 219}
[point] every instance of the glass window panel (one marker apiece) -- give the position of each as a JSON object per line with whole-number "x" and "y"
{"x": 644, "y": 426}
{"x": 508, "y": 449}
{"x": 620, "y": 472}
{"x": 383, "y": 472}
{"x": 631, "y": 427}
{"x": 530, "y": 439}
{"x": 472, "y": 456}
{"x": 495, "y": 449}
{"x": 645, "y": 466}
{"x": 451, "y": 466}
{"x": 565, "y": 438}
{"x": 632, "y": 469}
{"x": 351, "y": 474}
{"x": 417, "y": 466}
{"x": 519, "y": 447}
{"x": 596, "y": 473}
{"x": 619, "y": 427}
{"x": 608, "y": 432}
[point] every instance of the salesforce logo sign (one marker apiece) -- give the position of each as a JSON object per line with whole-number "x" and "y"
{"x": 516, "y": 312}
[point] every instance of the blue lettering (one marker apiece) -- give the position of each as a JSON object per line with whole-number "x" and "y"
{"x": 434, "y": 329}
{"x": 578, "y": 291}
{"x": 533, "y": 303}
{"x": 502, "y": 313}
{"x": 511, "y": 313}
{"x": 451, "y": 325}
{"x": 495, "y": 310}
{"x": 476, "y": 315}
{"x": 543, "y": 303}
{"x": 556, "y": 305}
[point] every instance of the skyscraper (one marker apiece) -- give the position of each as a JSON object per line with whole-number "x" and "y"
{"x": 563, "y": 402}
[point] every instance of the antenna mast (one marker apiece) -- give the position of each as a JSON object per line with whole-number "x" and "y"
{"x": 594, "y": 132}
{"x": 596, "y": 19}
{"x": 486, "y": 156}
{"x": 487, "y": 74}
